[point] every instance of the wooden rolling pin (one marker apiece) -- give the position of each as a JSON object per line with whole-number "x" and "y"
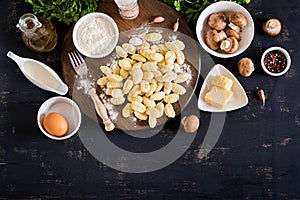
{"x": 101, "y": 110}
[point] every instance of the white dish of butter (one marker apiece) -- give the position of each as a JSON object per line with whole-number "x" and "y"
{"x": 95, "y": 35}
{"x": 221, "y": 91}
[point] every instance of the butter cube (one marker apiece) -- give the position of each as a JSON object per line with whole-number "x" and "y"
{"x": 222, "y": 81}
{"x": 218, "y": 97}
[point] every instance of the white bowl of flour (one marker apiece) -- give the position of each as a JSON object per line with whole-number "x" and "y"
{"x": 95, "y": 35}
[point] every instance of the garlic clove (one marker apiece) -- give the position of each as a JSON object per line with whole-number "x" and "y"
{"x": 176, "y": 25}
{"x": 157, "y": 20}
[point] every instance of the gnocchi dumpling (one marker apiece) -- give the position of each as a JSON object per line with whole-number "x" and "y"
{"x": 121, "y": 52}
{"x": 171, "y": 98}
{"x": 145, "y": 86}
{"x": 117, "y": 101}
{"x": 148, "y": 76}
{"x": 129, "y": 48}
{"x": 138, "y": 107}
{"x": 148, "y": 102}
{"x": 127, "y": 110}
{"x": 141, "y": 116}
{"x": 180, "y": 58}
{"x": 179, "y": 44}
{"x": 125, "y": 63}
{"x": 102, "y": 81}
{"x": 137, "y": 75}
{"x": 113, "y": 84}
{"x": 152, "y": 121}
{"x": 153, "y": 37}
{"x": 116, "y": 93}
{"x": 179, "y": 89}
{"x": 138, "y": 57}
{"x": 158, "y": 96}
{"x": 170, "y": 57}
{"x": 105, "y": 69}
{"x": 149, "y": 66}
{"x": 181, "y": 78}
{"x": 136, "y": 41}
{"x": 127, "y": 86}
{"x": 169, "y": 110}
{"x": 114, "y": 77}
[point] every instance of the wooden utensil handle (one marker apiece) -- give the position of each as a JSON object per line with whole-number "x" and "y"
{"x": 101, "y": 110}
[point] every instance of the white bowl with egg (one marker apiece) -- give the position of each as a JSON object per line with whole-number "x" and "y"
{"x": 225, "y": 7}
{"x": 95, "y": 35}
{"x": 65, "y": 107}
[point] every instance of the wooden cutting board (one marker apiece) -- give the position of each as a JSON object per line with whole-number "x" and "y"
{"x": 149, "y": 9}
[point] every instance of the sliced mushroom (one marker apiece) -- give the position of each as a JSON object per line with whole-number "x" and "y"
{"x": 217, "y": 21}
{"x": 232, "y": 33}
{"x": 246, "y": 67}
{"x": 272, "y": 27}
{"x": 212, "y": 39}
{"x": 230, "y": 45}
{"x": 237, "y": 21}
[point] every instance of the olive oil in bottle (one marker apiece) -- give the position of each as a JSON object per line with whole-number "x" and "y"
{"x": 38, "y": 34}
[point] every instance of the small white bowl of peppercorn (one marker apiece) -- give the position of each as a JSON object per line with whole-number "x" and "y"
{"x": 276, "y": 61}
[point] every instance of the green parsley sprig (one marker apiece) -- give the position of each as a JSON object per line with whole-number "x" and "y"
{"x": 67, "y": 11}
{"x": 191, "y": 9}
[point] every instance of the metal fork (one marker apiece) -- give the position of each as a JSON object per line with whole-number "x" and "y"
{"x": 78, "y": 64}
{"x": 80, "y": 67}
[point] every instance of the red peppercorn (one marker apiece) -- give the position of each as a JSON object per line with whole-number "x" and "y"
{"x": 275, "y": 61}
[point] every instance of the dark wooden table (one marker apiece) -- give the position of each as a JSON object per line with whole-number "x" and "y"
{"x": 256, "y": 157}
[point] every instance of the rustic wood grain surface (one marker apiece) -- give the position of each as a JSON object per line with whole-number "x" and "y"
{"x": 256, "y": 157}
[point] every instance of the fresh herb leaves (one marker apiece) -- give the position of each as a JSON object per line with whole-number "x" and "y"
{"x": 191, "y": 9}
{"x": 67, "y": 11}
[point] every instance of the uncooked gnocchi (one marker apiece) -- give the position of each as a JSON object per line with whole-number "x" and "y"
{"x": 105, "y": 70}
{"x": 117, "y": 101}
{"x": 147, "y": 76}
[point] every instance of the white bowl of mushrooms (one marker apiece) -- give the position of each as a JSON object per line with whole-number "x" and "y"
{"x": 225, "y": 29}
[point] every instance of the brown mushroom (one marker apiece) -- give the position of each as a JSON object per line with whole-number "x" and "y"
{"x": 217, "y": 21}
{"x": 212, "y": 39}
{"x": 272, "y": 27}
{"x": 237, "y": 21}
{"x": 232, "y": 33}
{"x": 229, "y": 45}
{"x": 245, "y": 66}
{"x": 190, "y": 123}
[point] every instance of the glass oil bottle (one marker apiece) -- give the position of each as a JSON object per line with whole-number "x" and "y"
{"x": 38, "y": 34}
